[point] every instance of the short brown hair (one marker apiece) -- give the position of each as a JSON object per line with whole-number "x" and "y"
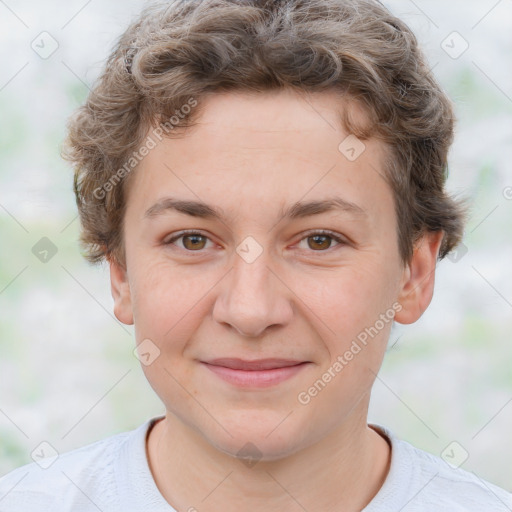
{"x": 175, "y": 51}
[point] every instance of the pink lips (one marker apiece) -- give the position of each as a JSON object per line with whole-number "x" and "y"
{"x": 256, "y": 373}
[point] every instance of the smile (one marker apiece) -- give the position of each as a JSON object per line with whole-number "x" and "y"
{"x": 255, "y": 374}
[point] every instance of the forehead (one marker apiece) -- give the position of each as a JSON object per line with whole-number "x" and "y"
{"x": 273, "y": 115}
{"x": 276, "y": 147}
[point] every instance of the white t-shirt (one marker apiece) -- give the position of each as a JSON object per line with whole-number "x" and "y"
{"x": 113, "y": 475}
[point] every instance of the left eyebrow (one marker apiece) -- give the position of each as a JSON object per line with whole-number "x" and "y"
{"x": 306, "y": 209}
{"x": 295, "y": 211}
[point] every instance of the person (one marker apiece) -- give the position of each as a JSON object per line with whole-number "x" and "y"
{"x": 266, "y": 180}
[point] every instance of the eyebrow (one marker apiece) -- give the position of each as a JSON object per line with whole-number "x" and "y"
{"x": 295, "y": 211}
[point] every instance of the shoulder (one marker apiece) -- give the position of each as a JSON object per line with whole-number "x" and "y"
{"x": 422, "y": 482}
{"x": 82, "y": 479}
{"x": 454, "y": 487}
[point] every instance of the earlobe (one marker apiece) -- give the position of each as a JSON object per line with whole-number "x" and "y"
{"x": 121, "y": 294}
{"x": 417, "y": 285}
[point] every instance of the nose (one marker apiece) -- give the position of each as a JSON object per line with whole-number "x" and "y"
{"x": 253, "y": 298}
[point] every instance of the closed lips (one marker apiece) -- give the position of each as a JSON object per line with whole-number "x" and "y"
{"x": 255, "y": 365}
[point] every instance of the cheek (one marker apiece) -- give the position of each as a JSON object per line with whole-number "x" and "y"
{"x": 170, "y": 302}
{"x": 349, "y": 299}
{"x": 163, "y": 299}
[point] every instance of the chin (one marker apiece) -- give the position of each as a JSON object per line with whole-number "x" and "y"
{"x": 259, "y": 437}
{"x": 254, "y": 450}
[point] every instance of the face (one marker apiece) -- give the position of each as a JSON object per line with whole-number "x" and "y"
{"x": 294, "y": 258}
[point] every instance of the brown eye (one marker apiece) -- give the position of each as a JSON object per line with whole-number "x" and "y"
{"x": 319, "y": 242}
{"x": 194, "y": 242}
{"x": 188, "y": 241}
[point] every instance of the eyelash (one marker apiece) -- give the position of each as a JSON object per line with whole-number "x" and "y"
{"x": 309, "y": 234}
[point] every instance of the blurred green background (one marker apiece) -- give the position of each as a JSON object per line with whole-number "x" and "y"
{"x": 67, "y": 371}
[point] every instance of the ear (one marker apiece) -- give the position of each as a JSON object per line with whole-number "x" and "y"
{"x": 120, "y": 288}
{"x": 417, "y": 285}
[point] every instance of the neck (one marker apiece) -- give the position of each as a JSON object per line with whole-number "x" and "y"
{"x": 345, "y": 468}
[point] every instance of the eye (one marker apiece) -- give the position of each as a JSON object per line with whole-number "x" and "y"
{"x": 320, "y": 241}
{"x": 191, "y": 240}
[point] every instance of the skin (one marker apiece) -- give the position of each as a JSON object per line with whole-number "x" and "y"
{"x": 252, "y": 156}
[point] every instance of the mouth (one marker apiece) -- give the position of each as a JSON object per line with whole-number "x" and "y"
{"x": 256, "y": 373}
{"x": 254, "y": 365}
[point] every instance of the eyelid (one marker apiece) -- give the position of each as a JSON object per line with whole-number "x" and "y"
{"x": 339, "y": 239}
{"x": 180, "y": 234}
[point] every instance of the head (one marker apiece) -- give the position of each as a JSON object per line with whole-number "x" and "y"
{"x": 303, "y": 145}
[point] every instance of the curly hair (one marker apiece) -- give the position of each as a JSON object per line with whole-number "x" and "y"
{"x": 176, "y": 53}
